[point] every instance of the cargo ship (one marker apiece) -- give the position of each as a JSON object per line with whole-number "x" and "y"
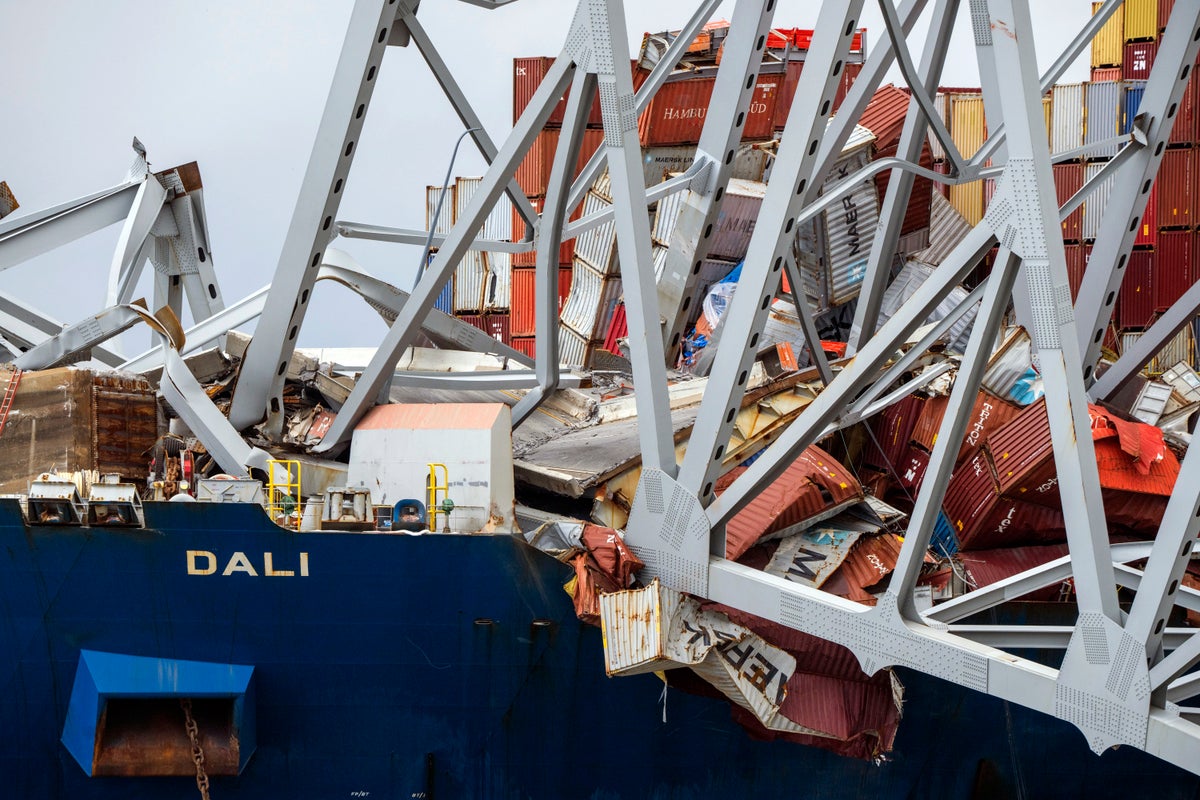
{"x": 848, "y": 536}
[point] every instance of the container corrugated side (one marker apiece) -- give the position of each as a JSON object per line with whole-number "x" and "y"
{"x": 524, "y": 344}
{"x": 735, "y": 224}
{"x": 849, "y": 230}
{"x": 1141, "y": 20}
{"x": 1176, "y": 267}
{"x": 533, "y": 173}
{"x": 1139, "y": 58}
{"x": 1184, "y": 132}
{"x": 470, "y": 278}
{"x": 1164, "y": 13}
{"x": 590, "y": 304}
{"x": 941, "y": 102}
{"x": 1135, "y": 304}
{"x": 1177, "y": 189}
{"x": 1182, "y": 347}
{"x": 610, "y": 299}
{"x": 666, "y": 214}
{"x": 947, "y": 228}
{"x": 1103, "y": 118}
{"x": 1067, "y": 121}
{"x": 573, "y": 348}
{"x": 967, "y": 200}
{"x": 968, "y": 127}
{"x": 445, "y": 216}
{"x": 498, "y": 227}
{"x": 524, "y": 302}
{"x": 1076, "y": 265}
{"x": 1105, "y": 74}
{"x": 1096, "y": 202}
{"x": 1011, "y": 360}
{"x": 1132, "y": 100}
{"x": 1068, "y": 179}
{"x": 676, "y": 113}
{"x": 1110, "y": 40}
{"x": 633, "y": 627}
{"x": 598, "y": 246}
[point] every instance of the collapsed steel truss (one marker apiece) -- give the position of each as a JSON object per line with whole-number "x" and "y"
{"x": 1123, "y": 674}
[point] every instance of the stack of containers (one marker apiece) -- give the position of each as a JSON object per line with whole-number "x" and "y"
{"x": 533, "y": 176}
{"x": 968, "y": 130}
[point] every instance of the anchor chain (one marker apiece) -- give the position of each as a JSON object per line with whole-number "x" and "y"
{"x": 193, "y": 733}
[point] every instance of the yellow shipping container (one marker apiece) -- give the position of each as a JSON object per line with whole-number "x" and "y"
{"x": 1108, "y": 48}
{"x": 968, "y": 128}
{"x": 1046, "y": 107}
{"x": 1141, "y": 20}
{"x": 967, "y": 199}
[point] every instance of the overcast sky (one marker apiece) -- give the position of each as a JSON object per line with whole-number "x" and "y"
{"x": 240, "y": 86}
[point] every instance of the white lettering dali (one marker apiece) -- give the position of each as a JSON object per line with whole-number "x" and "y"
{"x": 205, "y": 562}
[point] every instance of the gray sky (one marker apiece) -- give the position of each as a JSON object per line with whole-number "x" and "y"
{"x": 239, "y": 87}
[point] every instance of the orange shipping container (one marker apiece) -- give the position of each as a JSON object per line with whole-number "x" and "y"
{"x": 566, "y": 250}
{"x": 676, "y": 114}
{"x": 533, "y": 174}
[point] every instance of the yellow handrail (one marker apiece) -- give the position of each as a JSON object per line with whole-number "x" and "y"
{"x": 283, "y": 498}
{"x": 433, "y": 507}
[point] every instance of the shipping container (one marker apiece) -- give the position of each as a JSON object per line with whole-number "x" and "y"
{"x": 1164, "y": 13}
{"x": 598, "y": 246}
{"x": 791, "y": 79}
{"x": 1141, "y": 20}
{"x": 968, "y": 128}
{"x": 891, "y": 431}
{"x": 1147, "y": 235}
{"x": 1104, "y": 74}
{"x": 1135, "y": 304}
{"x": 498, "y": 326}
{"x": 676, "y": 113}
{"x": 528, "y": 73}
{"x": 735, "y": 224}
{"x": 1067, "y": 131}
{"x": 941, "y": 103}
{"x": 1139, "y": 58}
{"x": 1096, "y": 202}
{"x": 1103, "y": 117}
{"x": 444, "y": 214}
{"x": 445, "y": 298}
{"x": 574, "y": 348}
{"x": 1068, "y": 180}
{"x": 618, "y": 329}
{"x": 967, "y": 200}
{"x": 849, "y": 230}
{"x": 524, "y": 344}
{"x": 1177, "y": 189}
{"x": 1132, "y": 100}
{"x": 1181, "y": 347}
{"x": 591, "y": 302}
{"x": 1048, "y": 114}
{"x": 1184, "y": 130}
{"x": 1077, "y": 256}
{"x": 1174, "y": 267}
{"x": 524, "y": 302}
{"x": 1110, "y": 40}
{"x": 533, "y": 174}
{"x": 750, "y": 161}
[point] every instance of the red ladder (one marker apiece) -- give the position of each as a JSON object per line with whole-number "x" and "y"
{"x": 14, "y": 380}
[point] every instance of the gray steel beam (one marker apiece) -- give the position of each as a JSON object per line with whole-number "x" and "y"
{"x": 380, "y": 233}
{"x": 86, "y": 334}
{"x": 733, "y": 89}
{"x": 260, "y": 382}
{"x": 899, "y": 191}
{"x": 25, "y": 237}
{"x": 1131, "y": 189}
{"x": 792, "y": 176}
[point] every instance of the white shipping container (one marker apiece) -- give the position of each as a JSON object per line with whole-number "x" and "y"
{"x": 850, "y": 227}
{"x": 750, "y": 162}
{"x": 573, "y": 349}
{"x": 1096, "y": 202}
{"x": 1103, "y": 116}
{"x": 445, "y": 217}
{"x": 498, "y": 227}
{"x": 735, "y": 224}
{"x": 598, "y": 246}
{"x": 1066, "y": 123}
{"x": 941, "y": 102}
{"x": 911, "y": 276}
{"x": 666, "y": 215}
{"x": 471, "y": 274}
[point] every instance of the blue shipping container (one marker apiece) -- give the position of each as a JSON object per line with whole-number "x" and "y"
{"x": 1129, "y": 107}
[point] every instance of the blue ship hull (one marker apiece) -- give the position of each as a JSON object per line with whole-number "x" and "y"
{"x": 373, "y": 677}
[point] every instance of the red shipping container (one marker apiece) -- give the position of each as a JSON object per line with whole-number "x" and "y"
{"x": 617, "y": 329}
{"x": 1076, "y": 264}
{"x": 942, "y": 167}
{"x": 1135, "y": 305}
{"x": 1174, "y": 269}
{"x": 676, "y": 114}
{"x": 912, "y": 470}
{"x": 523, "y": 303}
{"x": 498, "y": 327}
{"x": 1068, "y": 179}
{"x": 801, "y": 39}
{"x": 1139, "y": 58}
{"x": 475, "y": 320}
{"x": 525, "y": 344}
{"x": 1184, "y": 131}
{"x": 891, "y": 430}
{"x": 1147, "y": 234}
{"x": 1164, "y": 13}
{"x": 566, "y": 250}
{"x": 1100, "y": 74}
{"x": 1177, "y": 189}
{"x": 850, "y": 73}
{"x": 533, "y": 174}
{"x": 528, "y": 74}
{"x": 791, "y": 80}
